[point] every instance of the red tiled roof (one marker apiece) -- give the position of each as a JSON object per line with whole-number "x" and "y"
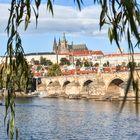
{"x": 86, "y": 52}
{"x": 124, "y": 54}
{"x": 83, "y": 53}
{"x": 97, "y": 52}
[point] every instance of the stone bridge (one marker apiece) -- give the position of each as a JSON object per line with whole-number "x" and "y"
{"x": 88, "y": 84}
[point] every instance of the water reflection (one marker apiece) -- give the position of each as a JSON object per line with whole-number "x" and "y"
{"x": 62, "y": 119}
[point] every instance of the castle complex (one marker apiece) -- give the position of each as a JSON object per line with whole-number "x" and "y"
{"x": 63, "y": 46}
{"x": 63, "y": 49}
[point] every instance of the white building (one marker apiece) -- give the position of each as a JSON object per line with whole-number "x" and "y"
{"x": 118, "y": 59}
{"x": 49, "y": 56}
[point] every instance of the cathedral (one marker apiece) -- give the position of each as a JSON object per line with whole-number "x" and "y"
{"x": 63, "y": 47}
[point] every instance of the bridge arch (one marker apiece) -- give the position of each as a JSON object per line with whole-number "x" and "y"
{"x": 113, "y": 87}
{"x": 50, "y": 82}
{"x": 87, "y": 82}
{"x": 66, "y": 83}
{"x": 54, "y": 83}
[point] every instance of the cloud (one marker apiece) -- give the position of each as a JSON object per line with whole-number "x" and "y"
{"x": 66, "y": 19}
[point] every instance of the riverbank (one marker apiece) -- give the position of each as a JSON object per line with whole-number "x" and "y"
{"x": 71, "y": 96}
{"x": 17, "y": 94}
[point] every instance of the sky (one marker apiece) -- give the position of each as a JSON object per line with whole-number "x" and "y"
{"x": 78, "y": 26}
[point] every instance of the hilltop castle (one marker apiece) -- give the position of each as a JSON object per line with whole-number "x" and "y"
{"x": 63, "y": 47}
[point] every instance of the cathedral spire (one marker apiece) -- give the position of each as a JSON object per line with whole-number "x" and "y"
{"x": 54, "y": 45}
{"x": 64, "y": 37}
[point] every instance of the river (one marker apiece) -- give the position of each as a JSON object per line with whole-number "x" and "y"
{"x": 63, "y": 119}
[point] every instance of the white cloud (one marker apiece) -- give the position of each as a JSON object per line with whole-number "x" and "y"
{"x": 66, "y": 19}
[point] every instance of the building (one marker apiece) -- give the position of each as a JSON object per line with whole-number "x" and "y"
{"x": 64, "y": 47}
{"x": 119, "y": 59}
{"x": 48, "y": 55}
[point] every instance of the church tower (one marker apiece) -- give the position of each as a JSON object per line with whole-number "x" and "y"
{"x": 54, "y": 46}
{"x": 59, "y": 46}
{"x": 64, "y": 45}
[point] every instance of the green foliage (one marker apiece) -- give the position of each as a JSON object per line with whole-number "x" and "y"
{"x": 39, "y": 67}
{"x": 118, "y": 67}
{"x": 96, "y": 64}
{"x": 48, "y": 63}
{"x": 131, "y": 65}
{"x": 54, "y": 70}
{"x": 79, "y": 63}
{"x": 86, "y": 63}
{"x": 36, "y": 62}
{"x": 122, "y": 17}
{"x": 64, "y": 61}
{"x": 107, "y": 63}
{"x": 44, "y": 61}
{"x": 104, "y": 65}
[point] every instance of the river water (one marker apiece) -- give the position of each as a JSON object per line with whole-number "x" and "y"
{"x": 63, "y": 119}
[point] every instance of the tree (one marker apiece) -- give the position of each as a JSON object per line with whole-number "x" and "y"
{"x": 54, "y": 70}
{"x": 96, "y": 64}
{"x": 64, "y": 61}
{"x": 107, "y": 63}
{"x": 39, "y": 67}
{"x": 104, "y": 65}
{"x": 86, "y": 63}
{"x": 36, "y": 62}
{"x": 131, "y": 65}
{"x": 48, "y": 63}
{"x": 122, "y": 18}
{"x": 42, "y": 61}
{"x": 79, "y": 63}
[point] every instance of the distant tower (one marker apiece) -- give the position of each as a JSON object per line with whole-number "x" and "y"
{"x": 59, "y": 46}
{"x": 54, "y": 46}
{"x": 64, "y": 38}
{"x": 64, "y": 45}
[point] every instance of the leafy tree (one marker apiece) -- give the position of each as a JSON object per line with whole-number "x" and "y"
{"x": 36, "y": 62}
{"x": 122, "y": 18}
{"x": 64, "y": 61}
{"x": 48, "y": 63}
{"x": 39, "y": 68}
{"x": 107, "y": 63}
{"x": 54, "y": 70}
{"x": 79, "y": 63}
{"x": 86, "y": 63}
{"x": 118, "y": 67}
{"x": 131, "y": 65}
{"x": 42, "y": 61}
{"x": 96, "y": 64}
{"x": 104, "y": 65}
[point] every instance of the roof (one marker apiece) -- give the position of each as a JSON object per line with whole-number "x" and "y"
{"x": 79, "y": 47}
{"x": 124, "y": 54}
{"x": 40, "y": 53}
{"x": 78, "y": 53}
{"x": 97, "y": 53}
